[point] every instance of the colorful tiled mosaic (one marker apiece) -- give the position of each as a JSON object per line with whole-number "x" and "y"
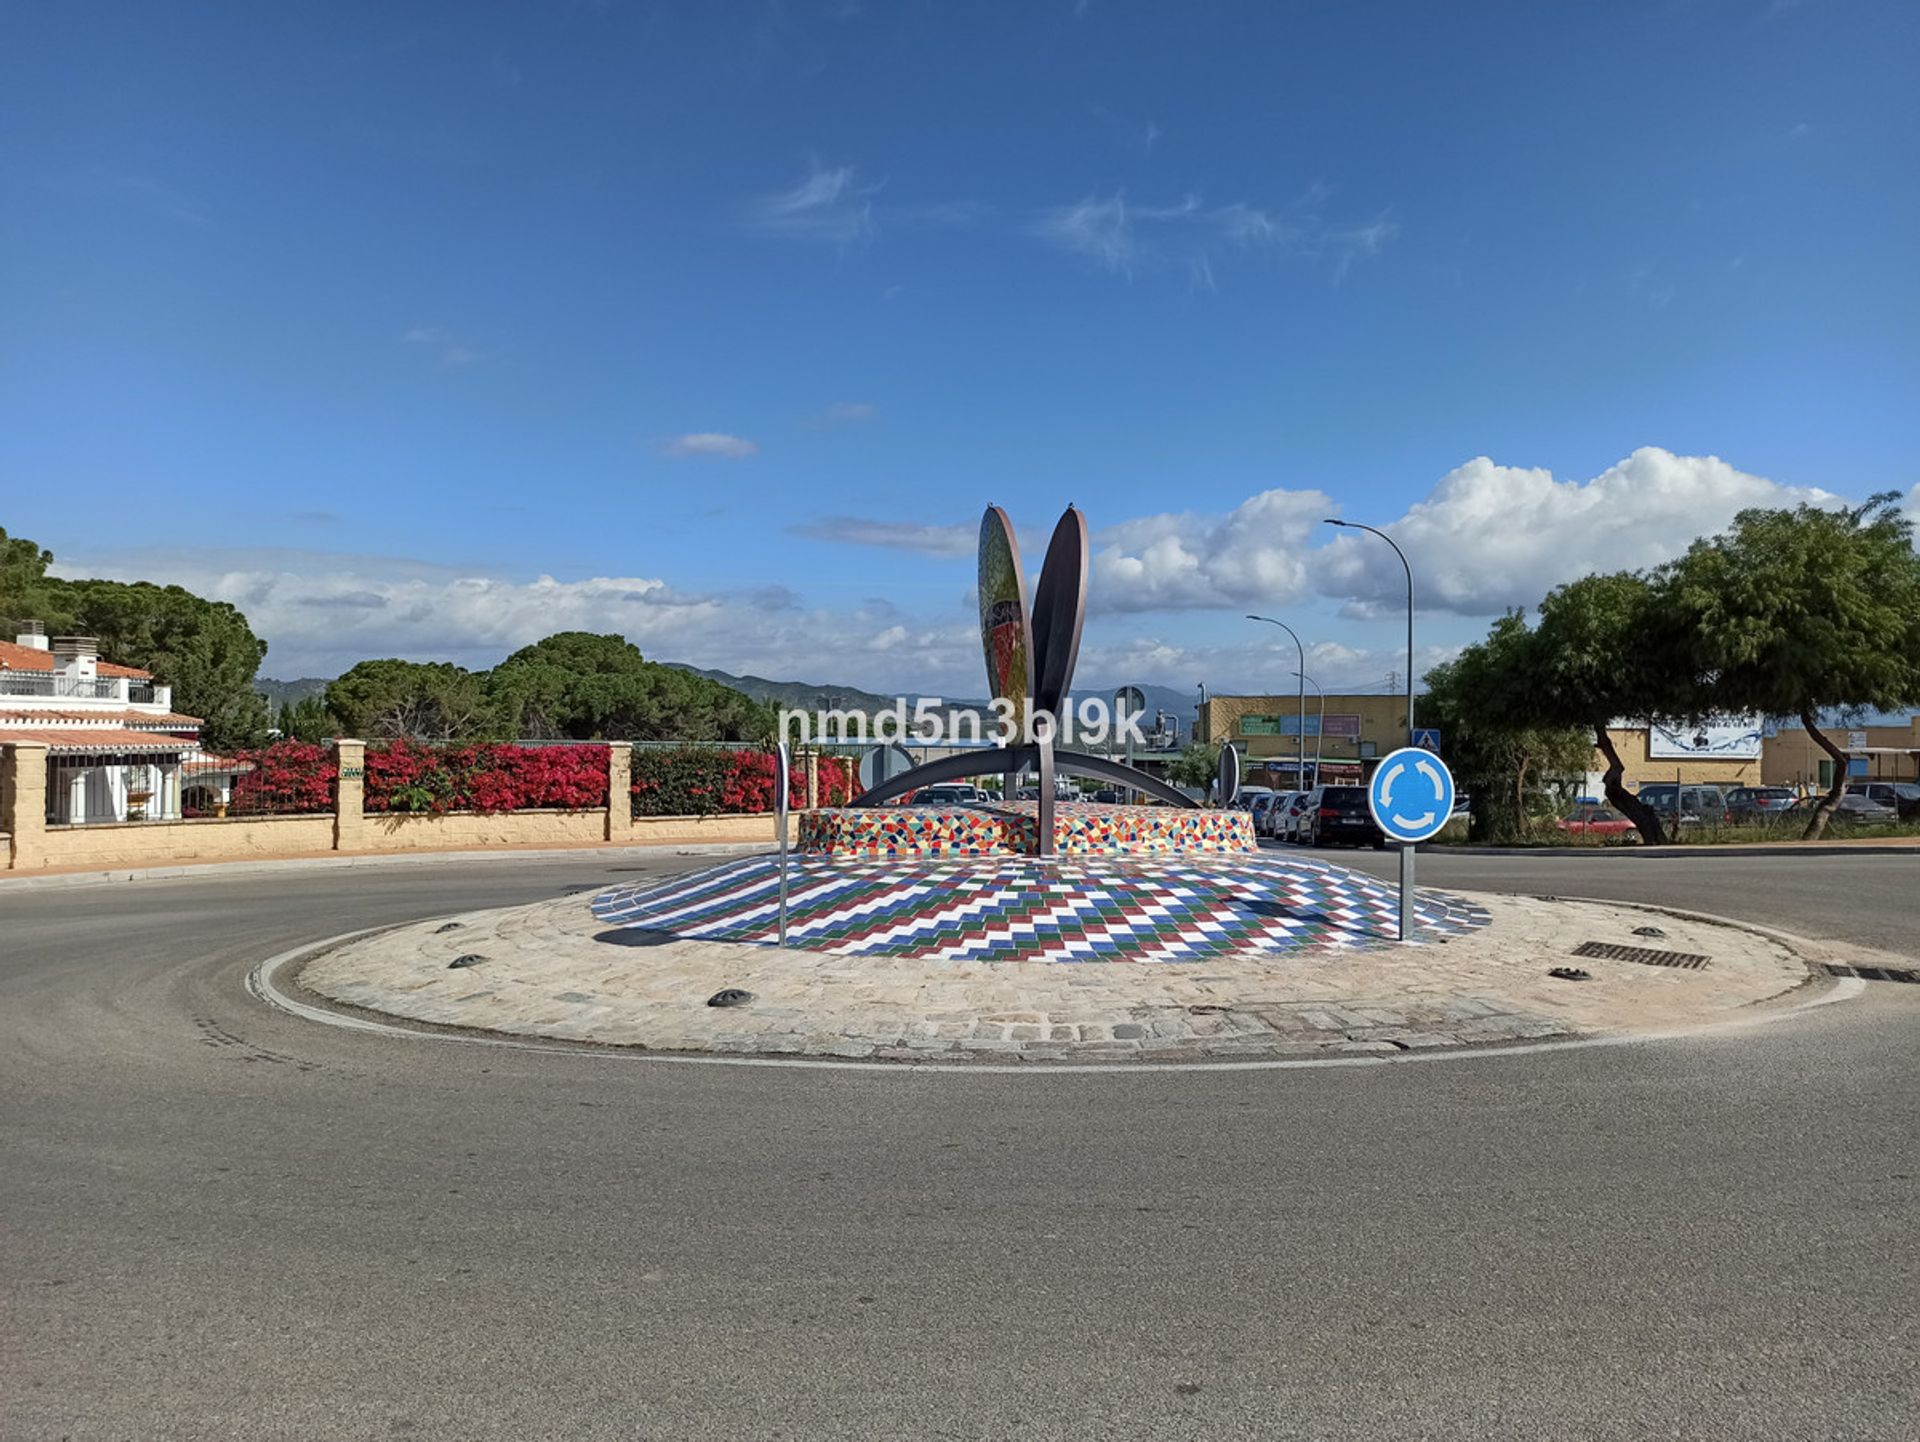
{"x": 1029, "y": 909}
{"x": 1013, "y": 829}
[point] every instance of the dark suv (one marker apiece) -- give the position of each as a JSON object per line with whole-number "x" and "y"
{"x": 1902, "y": 796}
{"x": 1339, "y": 813}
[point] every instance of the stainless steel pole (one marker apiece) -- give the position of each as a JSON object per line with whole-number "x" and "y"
{"x": 1407, "y": 566}
{"x": 1406, "y": 891}
{"x": 1320, "y": 735}
{"x": 1300, "y": 765}
{"x": 783, "y": 780}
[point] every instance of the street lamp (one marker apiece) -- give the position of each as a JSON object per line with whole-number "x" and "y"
{"x": 1356, "y": 526}
{"x": 1320, "y": 733}
{"x": 1300, "y": 769}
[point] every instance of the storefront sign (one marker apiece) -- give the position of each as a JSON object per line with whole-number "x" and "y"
{"x": 1342, "y": 725}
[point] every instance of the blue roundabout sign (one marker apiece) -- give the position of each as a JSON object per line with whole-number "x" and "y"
{"x": 1411, "y": 794}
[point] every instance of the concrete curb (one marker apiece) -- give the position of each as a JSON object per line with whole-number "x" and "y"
{"x": 264, "y": 982}
{"x": 31, "y": 882}
{"x": 1802, "y": 982}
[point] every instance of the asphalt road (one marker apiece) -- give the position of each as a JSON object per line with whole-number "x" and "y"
{"x": 220, "y": 1221}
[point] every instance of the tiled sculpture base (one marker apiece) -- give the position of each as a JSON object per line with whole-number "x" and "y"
{"x": 1026, "y": 909}
{"x": 1080, "y": 828}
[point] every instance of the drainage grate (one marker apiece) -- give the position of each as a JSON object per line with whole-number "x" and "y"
{"x": 1873, "y": 973}
{"x": 1607, "y": 951}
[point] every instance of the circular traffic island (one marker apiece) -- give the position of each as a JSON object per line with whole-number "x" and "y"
{"x": 1094, "y": 957}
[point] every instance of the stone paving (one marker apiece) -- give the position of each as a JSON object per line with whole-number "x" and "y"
{"x": 554, "y": 970}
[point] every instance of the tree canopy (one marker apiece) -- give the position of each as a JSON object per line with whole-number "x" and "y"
{"x": 1500, "y": 746}
{"x": 1607, "y": 649}
{"x": 204, "y": 650}
{"x": 576, "y": 685}
{"x": 419, "y": 700}
{"x": 1795, "y": 612}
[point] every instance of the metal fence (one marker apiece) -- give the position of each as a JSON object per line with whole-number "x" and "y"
{"x": 53, "y": 684}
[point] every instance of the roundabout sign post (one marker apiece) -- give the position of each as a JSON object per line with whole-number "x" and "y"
{"x": 1411, "y": 797}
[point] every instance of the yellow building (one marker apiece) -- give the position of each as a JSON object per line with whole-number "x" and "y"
{"x": 1883, "y": 753}
{"x": 1640, "y": 751}
{"x": 1266, "y": 730}
{"x": 1361, "y": 728}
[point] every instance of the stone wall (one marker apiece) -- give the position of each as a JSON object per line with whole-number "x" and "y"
{"x": 158, "y": 843}
{"x": 27, "y": 843}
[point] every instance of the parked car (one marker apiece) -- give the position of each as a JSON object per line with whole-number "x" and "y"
{"x": 1596, "y": 821}
{"x": 1262, "y": 804}
{"x": 1694, "y": 804}
{"x": 1863, "y": 809}
{"x": 1758, "y": 803}
{"x": 1108, "y": 796}
{"x": 943, "y": 795}
{"x": 1266, "y": 818}
{"x": 1287, "y": 825}
{"x": 1248, "y": 795}
{"x": 1902, "y": 796}
{"x": 1339, "y": 813}
{"x": 1851, "y": 810}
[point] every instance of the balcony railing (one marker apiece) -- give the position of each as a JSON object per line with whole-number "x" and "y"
{"x": 140, "y": 692}
{"x": 48, "y": 683}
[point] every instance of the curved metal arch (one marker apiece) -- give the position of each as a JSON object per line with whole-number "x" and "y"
{"x": 1009, "y": 759}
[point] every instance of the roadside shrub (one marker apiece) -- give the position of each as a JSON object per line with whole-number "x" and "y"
{"x": 488, "y": 777}
{"x": 288, "y": 778}
{"x": 708, "y": 781}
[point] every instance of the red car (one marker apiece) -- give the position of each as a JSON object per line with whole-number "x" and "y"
{"x": 1595, "y": 821}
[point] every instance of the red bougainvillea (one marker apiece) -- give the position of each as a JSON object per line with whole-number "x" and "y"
{"x": 485, "y": 777}
{"x": 707, "y": 781}
{"x": 286, "y": 778}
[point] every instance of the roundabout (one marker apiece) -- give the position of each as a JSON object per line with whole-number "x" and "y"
{"x": 1247, "y": 959}
{"x": 227, "y": 1220}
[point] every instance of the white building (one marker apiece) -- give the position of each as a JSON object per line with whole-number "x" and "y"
{"x": 117, "y": 750}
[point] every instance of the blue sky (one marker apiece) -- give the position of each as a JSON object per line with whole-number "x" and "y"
{"x": 425, "y": 330}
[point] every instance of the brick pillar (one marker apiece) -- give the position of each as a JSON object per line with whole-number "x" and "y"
{"x": 620, "y": 791}
{"x": 23, "y": 803}
{"x": 349, "y": 810}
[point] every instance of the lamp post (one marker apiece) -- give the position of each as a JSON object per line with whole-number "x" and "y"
{"x": 1300, "y": 770}
{"x": 1356, "y": 526}
{"x": 1320, "y": 734}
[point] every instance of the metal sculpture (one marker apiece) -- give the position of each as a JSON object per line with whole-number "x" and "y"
{"x": 1030, "y": 659}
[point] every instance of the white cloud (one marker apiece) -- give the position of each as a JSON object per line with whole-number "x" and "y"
{"x": 1492, "y": 536}
{"x": 1256, "y": 553}
{"x": 1119, "y": 236}
{"x": 955, "y": 540}
{"x": 451, "y": 351}
{"x": 1487, "y": 537}
{"x": 710, "y": 443}
{"x": 846, "y": 413}
{"x": 320, "y": 612}
{"x": 828, "y": 204}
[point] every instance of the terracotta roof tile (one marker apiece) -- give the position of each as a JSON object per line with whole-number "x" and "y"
{"x": 97, "y": 738}
{"x": 137, "y": 720}
{"x": 15, "y": 657}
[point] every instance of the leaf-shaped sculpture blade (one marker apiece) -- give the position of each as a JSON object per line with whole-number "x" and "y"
{"x": 1006, "y": 631}
{"x": 1059, "y": 609}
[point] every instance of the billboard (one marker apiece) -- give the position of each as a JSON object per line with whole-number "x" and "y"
{"x": 1341, "y": 725}
{"x": 1725, "y": 738}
